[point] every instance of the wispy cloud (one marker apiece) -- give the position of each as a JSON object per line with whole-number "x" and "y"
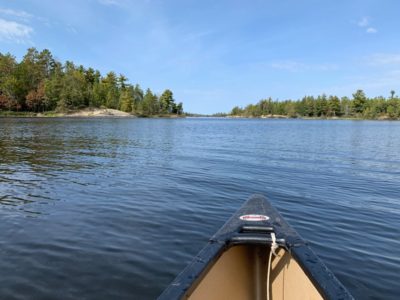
{"x": 288, "y": 65}
{"x": 71, "y": 29}
{"x": 15, "y": 13}
{"x": 11, "y": 31}
{"x": 378, "y": 74}
{"x": 372, "y": 83}
{"x": 365, "y": 24}
{"x": 21, "y": 16}
{"x": 294, "y": 66}
{"x": 111, "y": 2}
{"x": 383, "y": 59}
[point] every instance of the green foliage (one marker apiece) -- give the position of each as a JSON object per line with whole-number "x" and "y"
{"x": 237, "y": 111}
{"x": 150, "y": 106}
{"x": 178, "y": 109}
{"x": 326, "y": 106}
{"x": 359, "y": 102}
{"x": 53, "y": 86}
{"x": 39, "y": 83}
{"x": 73, "y": 91}
{"x": 8, "y": 82}
{"x": 167, "y": 102}
{"x": 126, "y": 100}
{"x": 137, "y": 99}
{"x": 112, "y": 92}
{"x": 333, "y": 106}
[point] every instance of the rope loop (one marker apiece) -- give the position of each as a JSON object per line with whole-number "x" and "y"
{"x": 274, "y": 244}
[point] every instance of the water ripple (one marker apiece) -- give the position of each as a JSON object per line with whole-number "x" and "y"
{"x": 91, "y": 203}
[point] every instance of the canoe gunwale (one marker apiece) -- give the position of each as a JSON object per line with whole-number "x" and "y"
{"x": 232, "y": 234}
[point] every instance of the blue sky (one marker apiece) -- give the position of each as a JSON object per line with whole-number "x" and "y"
{"x": 218, "y": 54}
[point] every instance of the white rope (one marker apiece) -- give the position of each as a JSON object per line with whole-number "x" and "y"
{"x": 274, "y": 246}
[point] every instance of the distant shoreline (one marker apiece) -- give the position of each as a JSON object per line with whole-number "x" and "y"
{"x": 381, "y": 118}
{"x": 221, "y": 116}
{"x": 82, "y": 113}
{"x": 114, "y": 113}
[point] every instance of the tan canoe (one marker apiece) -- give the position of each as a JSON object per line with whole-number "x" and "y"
{"x": 256, "y": 255}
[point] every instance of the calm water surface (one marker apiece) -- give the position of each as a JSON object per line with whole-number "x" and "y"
{"x": 115, "y": 208}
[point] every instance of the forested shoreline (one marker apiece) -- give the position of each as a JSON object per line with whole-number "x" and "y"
{"x": 323, "y": 106}
{"x": 40, "y": 83}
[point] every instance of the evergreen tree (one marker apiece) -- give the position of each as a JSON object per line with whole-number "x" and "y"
{"x": 179, "y": 109}
{"x": 359, "y": 100}
{"x": 166, "y": 102}
{"x": 8, "y": 82}
{"x": 333, "y": 106}
{"x": 73, "y": 89}
{"x": 39, "y": 82}
{"x": 150, "y": 103}
{"x": 126, "y": 100}
{"x": 137, "y": 99}
{"x": 323, "y": 106}
{"x": 112, "y": 92}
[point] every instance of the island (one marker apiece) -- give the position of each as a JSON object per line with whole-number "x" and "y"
{"x": 40, "y": 85}
{"x": 323, "y": 107}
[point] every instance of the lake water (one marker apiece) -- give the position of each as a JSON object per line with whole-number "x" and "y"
{"x": 115, "y": 208}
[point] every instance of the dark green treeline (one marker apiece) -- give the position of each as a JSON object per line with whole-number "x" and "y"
{"x": 40, "y": 83}
{"x": 323, "y": 106}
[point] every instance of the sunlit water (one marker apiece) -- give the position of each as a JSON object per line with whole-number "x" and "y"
{"x": 115, "y": 208}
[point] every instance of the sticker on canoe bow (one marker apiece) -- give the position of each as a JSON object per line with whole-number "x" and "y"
{"x": 254, "y": 218}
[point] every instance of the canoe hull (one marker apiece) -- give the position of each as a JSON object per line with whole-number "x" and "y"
{"x": 234, "y": 264}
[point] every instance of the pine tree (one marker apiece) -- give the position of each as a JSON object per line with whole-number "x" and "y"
{"x": 166, "y": 102}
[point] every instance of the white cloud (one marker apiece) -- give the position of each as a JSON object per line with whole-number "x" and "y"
{"x": 373, "y": 84}
{"x": 15, "y": 13}
{"x": 364, "y": 22}
{"x": 11, "y": 31}
{"x": 371, "y": 30}
{"x": 383, "y": 59}
{"x": 378, "y": 74}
